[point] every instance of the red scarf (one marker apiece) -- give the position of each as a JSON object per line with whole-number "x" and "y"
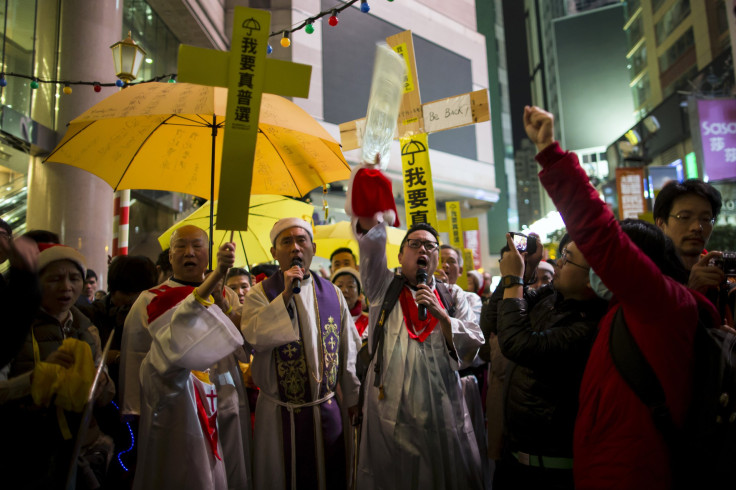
{"x": 417, "y": 330}
{"x": 360, "y": 319}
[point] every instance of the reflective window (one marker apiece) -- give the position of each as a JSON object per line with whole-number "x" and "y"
{"x": 149, "y": 32}
{"x": 671, "y": 19}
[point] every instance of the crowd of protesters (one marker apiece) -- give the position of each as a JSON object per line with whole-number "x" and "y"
{"x": 362, "y": 376}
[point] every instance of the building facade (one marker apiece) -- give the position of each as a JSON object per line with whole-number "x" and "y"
{"x": 75, "y": 45}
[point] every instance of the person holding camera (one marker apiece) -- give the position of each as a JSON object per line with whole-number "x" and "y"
{"x": 686, "y": 212}
{"x": 491, "y": 352}
{"x": 546, "y": 335}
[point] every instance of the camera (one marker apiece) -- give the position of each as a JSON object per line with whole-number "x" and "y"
{"x": 727, "y": 263}
{"x": 523, "y": 244}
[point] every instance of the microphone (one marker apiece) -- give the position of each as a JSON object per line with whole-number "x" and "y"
{"x": 422, "y": 279}
{"x": 296, "y": 283}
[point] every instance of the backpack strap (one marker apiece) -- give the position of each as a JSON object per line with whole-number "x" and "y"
{"x": 639, "y": 375}
{"x": 389, "y": 301}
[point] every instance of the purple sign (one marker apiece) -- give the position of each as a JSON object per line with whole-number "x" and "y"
{"x": 717, "y": 119}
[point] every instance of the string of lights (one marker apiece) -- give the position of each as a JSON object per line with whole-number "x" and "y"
{"x": 97, "y": 86}
{"x": 307, "y": 25}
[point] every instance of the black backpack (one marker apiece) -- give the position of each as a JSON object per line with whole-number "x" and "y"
{"x": 703, "y": 452}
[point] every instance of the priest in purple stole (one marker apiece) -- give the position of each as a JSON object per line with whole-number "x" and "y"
{"x": 305, "y": 347}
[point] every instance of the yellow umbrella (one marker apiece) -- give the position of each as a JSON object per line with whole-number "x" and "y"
{"x": 162, "y": 136}
{"x": 254, "y": 245}
{"x": 329, "y": 238}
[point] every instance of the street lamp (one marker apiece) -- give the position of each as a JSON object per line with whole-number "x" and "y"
{"x": 127, "y": 56}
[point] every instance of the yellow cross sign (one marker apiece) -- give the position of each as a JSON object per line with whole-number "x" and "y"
{"x": 415, "y": 122}
{"x": 246, "y": 73}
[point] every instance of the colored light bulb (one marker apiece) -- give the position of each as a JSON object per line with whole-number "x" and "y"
{"x": 269, "y": 49}
{"x": 97, "y": 87}
{"x": 333, "y": 20}
{"x": 67, "y": 89}
{"x": 285, "y": 41}
{"x": 309, "y": 29}
{"x": 119, "y": 83}
{"x": 34, "y": 84}
{"x": 364, "y": 7}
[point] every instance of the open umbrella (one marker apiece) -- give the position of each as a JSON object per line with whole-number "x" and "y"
{"x": 166, "y": 136}
{"x": 329, "y": 238}
{"x": 253, "y": 245}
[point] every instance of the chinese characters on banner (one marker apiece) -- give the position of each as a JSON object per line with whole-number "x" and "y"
{"x": 717, "y": 120}
{"x": 630, "y": 187}
{"x": 417, "y": 179}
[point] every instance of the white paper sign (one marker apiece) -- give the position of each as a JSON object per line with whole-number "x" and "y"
{"x": 447, "y": 113}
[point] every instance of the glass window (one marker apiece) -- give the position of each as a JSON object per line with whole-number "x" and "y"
{"x": 634, "y": 32}
{"x": 19, "y": 18}
{"x": 642, "y": 90}
{"x": 637, "y": 61}
{"x": 149, "y": 32}
{"x": 671, "y": 19}
{"x": 673, "y": 54}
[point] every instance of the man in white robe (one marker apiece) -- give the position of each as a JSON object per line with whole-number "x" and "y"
{"x": 305, "y": 346}
{"x": 189, "y": 256}
{"x": 416, "y": 430}
{"x": 179, "y": 431}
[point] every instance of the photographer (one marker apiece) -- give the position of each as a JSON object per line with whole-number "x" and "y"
{"x": 546, "y": 335}
{"x": 686, "y": 212}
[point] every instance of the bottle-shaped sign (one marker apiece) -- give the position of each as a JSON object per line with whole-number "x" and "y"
{"x": 389, "y": 71}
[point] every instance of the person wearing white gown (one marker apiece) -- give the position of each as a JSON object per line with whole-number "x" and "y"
{"x": 416, "y": 430}
{"x": 305, "y": 344}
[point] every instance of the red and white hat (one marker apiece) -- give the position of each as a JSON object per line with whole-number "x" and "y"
{"x": 51, "y": 252}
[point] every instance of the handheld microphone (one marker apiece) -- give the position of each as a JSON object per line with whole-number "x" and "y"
{"x": 296, "y": 287}
{"x": 422, "y": 279}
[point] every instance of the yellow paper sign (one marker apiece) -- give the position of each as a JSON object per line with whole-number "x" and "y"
{"x": 417, "y": 180}
{"x": 467, "y": 266}
{"x": 452, "y": 210}
{"x": 408, "y": 80}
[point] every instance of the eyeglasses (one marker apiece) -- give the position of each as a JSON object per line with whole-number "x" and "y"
{"x": 687, "y": 218}
{"x": 564, "y": 260}
{"x": 416, "y": 243}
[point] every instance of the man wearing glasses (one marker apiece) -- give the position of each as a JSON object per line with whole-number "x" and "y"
{"x": 416, "y": 431}
{"x": 686, "y": 212}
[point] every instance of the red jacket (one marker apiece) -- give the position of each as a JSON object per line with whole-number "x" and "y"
{"x": 616, "y": 444}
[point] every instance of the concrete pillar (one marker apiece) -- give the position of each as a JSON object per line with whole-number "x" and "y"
{"x": 72, "y": 202}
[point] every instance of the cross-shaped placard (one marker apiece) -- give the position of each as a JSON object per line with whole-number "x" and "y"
{"x": 455, "y": 225}
{"x": 415, "y": 121}
{"x": 246, "y": 73}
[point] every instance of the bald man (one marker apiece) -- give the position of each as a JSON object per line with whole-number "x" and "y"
{"x": 189, "y": 257}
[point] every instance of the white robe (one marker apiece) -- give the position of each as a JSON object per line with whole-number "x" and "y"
{"x": 136, "y": 341}
{"x": 173, "y": 450}
{"x": 420, "y": 435}
{"x": 266, "y": 326}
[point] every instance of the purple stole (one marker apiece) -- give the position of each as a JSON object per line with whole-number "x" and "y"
{"x": 294, "y": 387}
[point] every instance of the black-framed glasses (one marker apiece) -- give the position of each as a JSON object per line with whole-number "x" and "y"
{"x": 687, "y": 218}
{"x": 428, "y": 245}
{"x": 563, "y": 258}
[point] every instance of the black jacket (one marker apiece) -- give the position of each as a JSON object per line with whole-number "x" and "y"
{"x": 547, "y": 339}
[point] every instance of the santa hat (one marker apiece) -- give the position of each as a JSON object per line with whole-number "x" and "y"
{"x": 52, "y": 252}
{"x": 286, "y": 223}
{"x": 349, "y": 271}
{"x": 370, "y": 194}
